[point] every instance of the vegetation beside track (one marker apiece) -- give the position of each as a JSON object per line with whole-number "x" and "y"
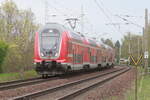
{"x": 143, "y": 87}
{"x": 16, "y": 76}
{"x": 17, "y": 28}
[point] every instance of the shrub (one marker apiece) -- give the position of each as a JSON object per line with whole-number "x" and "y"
{"x": 3, "y": 52}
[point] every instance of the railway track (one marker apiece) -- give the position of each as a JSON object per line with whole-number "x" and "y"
{"x": 72, "y": 89}
{"x": 21, "y": 83}
{"x": 15, "y": 81}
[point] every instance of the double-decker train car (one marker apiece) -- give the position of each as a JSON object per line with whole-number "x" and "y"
{"x": 58, "y": 50}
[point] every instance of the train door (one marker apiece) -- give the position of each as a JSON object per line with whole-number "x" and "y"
{"x": 73, "y": 58}
{"x": 85, "y": 55}
{"x": 103, "y": 57}
{"x": 100, "y": 56}
{"x": 97, "y": 56}
{"x": 81, "y": 54}
{"x": 70, "y": 52}
{"x": 89, "y": 55}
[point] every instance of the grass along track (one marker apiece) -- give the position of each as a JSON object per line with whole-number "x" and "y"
{"x": 6, "y": 77}
{"x": 12, "y": 82}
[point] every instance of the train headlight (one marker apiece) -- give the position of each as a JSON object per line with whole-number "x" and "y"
{"x": 42, "y": 54}
{"x": 56, "y": 54}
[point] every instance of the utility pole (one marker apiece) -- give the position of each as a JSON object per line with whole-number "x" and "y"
{"x": 143, "y": 47}
{"x": 138, "y": 47}
{"x": 129, "y": 43}
{"x": 146, "y": 41}
{"x": 46, "y": 11}
{"x": 119, "y": 54}
{"x": 129, "y": 46}
{"x": 82, "y": 19}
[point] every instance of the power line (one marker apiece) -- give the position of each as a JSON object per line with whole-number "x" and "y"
{"x": 103, "y": 11}
{"x": 126, "y": 20}
{"x": 82, "y": 19}
{"x": 72, "y": 22}
{"x": 105, "y": 7}
{"x": 46, "y": 10}
{"x": 71, "y": 11}
{"x": 47, "y": 5}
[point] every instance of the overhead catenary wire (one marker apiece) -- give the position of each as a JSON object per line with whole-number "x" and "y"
{"x": 106, "y": 15}
{"x": 69, "y": 11}
{"x": 58, "y": 5}
{"x": 126, "y": 20}
{"x": 47, "y": 9}
{"x": 105, "y": 7}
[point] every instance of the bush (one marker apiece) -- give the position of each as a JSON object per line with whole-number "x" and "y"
{"x": 3, "y": 52}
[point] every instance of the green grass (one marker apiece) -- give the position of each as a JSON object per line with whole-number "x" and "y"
{"x": 16, "y": 76}
{"x": 143, "y": 89}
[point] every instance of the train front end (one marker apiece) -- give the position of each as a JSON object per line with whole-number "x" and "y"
{"x": 47, "y": 50}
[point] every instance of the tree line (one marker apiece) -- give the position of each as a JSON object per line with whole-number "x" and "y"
{"x": 17, "y": 28}
{"x": 131, "y": 44}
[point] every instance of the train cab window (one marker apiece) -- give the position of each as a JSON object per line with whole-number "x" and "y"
{"x": 50, "y": 39}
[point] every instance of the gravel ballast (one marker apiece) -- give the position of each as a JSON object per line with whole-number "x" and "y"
{"x": 112, "y": 90}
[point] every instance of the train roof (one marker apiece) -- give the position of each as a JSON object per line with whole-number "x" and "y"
{"x": 92, "y": 42}
{"x": 104, "y": 45}
{"x": 53, "y": 25}
{"x": 76, "y": 36}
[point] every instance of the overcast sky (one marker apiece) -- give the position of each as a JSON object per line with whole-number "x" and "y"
{"x": 99, "y": 14}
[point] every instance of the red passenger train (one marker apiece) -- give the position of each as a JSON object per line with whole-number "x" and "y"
{"x": 58, "y": 50}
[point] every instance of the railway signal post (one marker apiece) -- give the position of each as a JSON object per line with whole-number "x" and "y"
{"x": 146, "y": 42}
{"x": 136, "y": 65}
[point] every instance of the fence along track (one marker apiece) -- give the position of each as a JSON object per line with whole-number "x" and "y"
{"x": 57, "y": 88}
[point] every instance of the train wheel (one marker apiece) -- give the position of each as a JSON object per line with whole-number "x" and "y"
{"x": 86, "y": 67}
{"x": 107, "y": 66}
{"x": 99, "y": 67}
{"x": 112, "y": 66}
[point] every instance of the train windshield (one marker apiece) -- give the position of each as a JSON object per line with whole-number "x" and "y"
{"x": 50, "y": 41}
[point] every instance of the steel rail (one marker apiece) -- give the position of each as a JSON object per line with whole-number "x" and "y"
{"x": 83, "y": 90}
{"x": 21, "y": 83}
{"x": 16, "y": 81}
{"x": 54, "y": 89}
